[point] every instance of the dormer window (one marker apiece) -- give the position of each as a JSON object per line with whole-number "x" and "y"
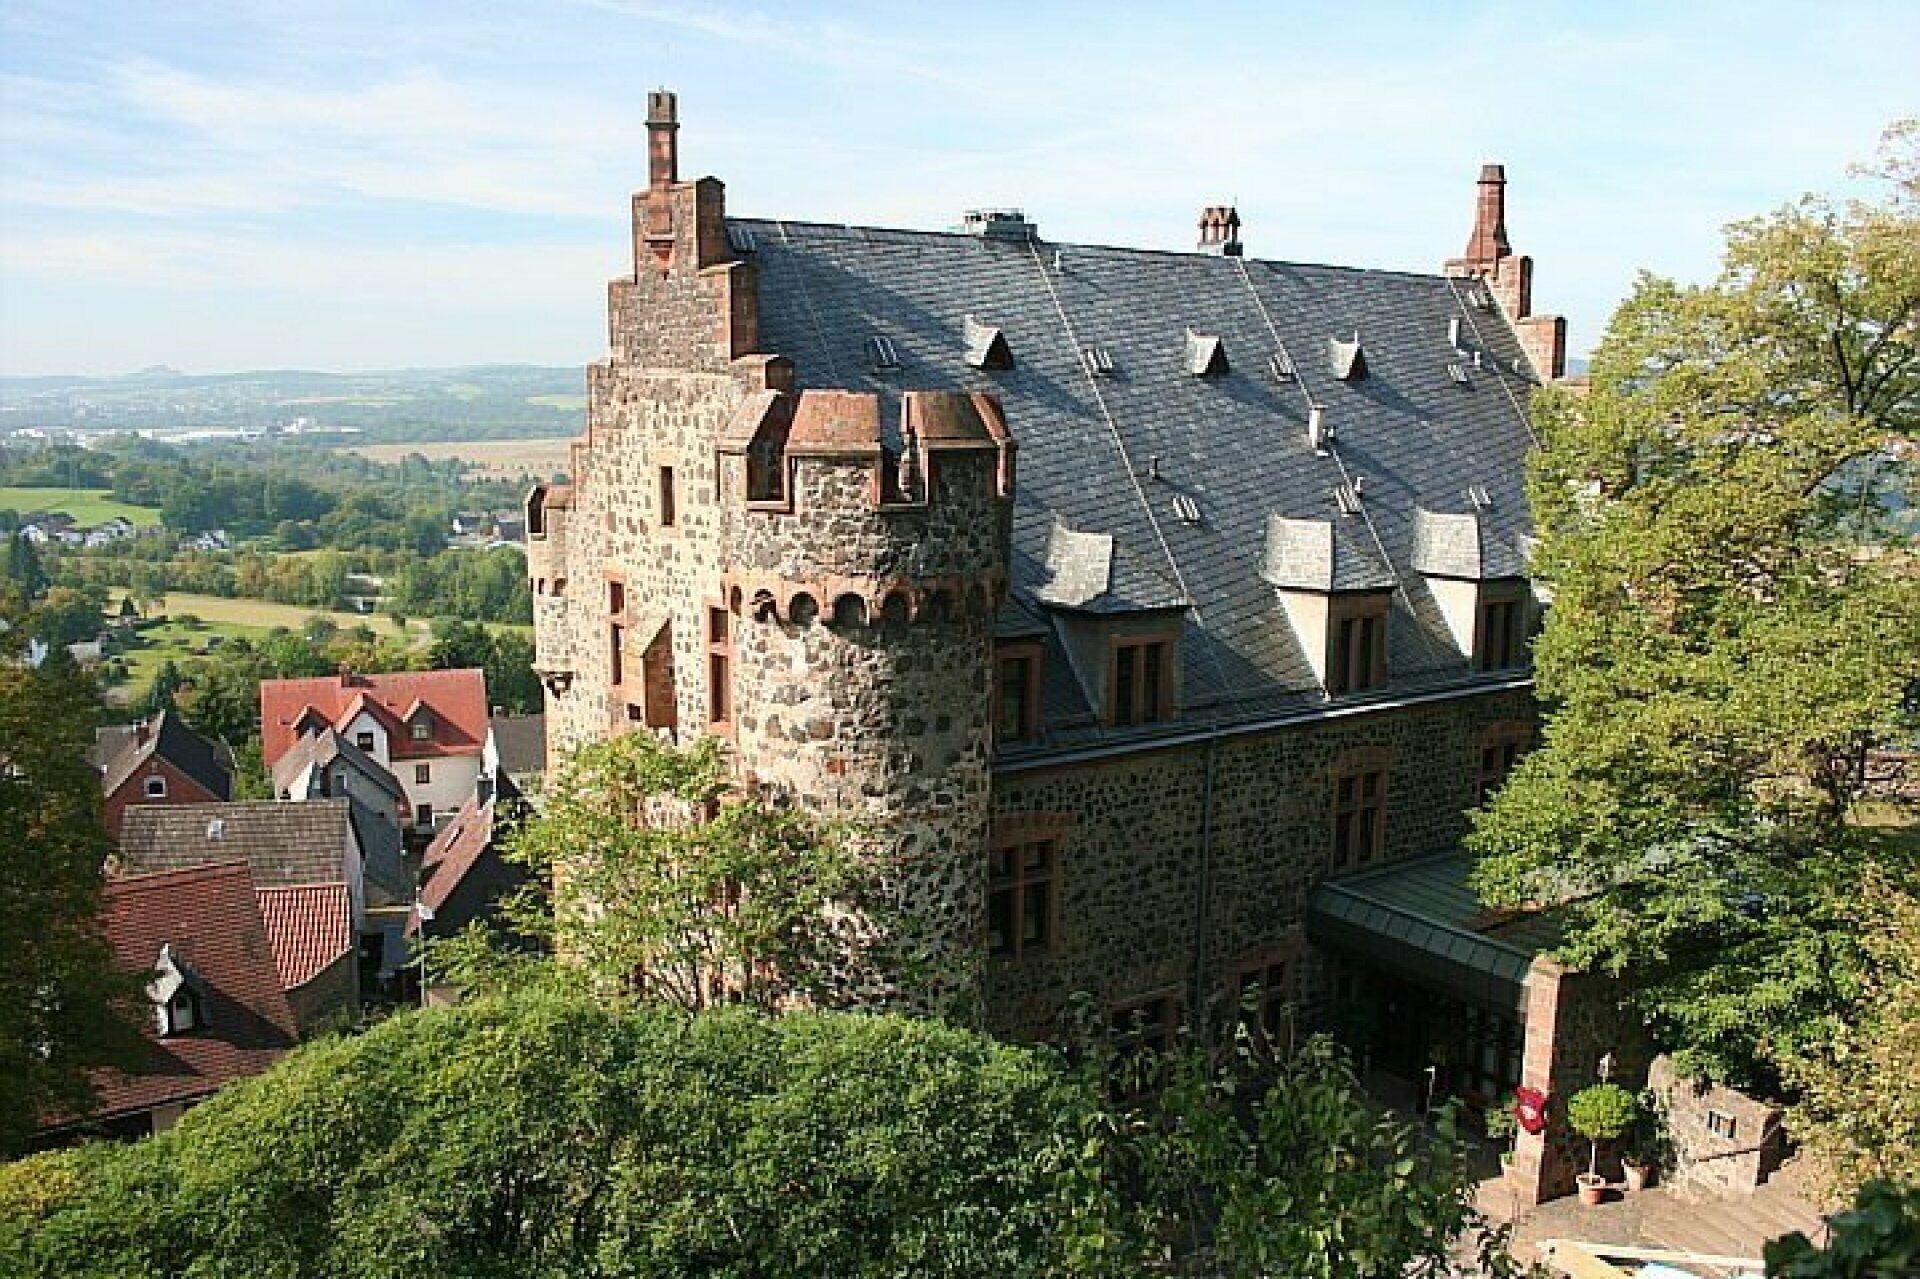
{"x": 1016, "y": 692}
{"x": 1500, "y": 630}
{"x": 1357, "y": 643}
{"x": 421, "y": 730}
{"x": 179, "y": 995}
{"x": 1140, "y": 689}
{"x": 364, "y": 741}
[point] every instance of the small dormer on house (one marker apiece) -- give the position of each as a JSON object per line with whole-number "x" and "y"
{"x": 1120, "y": 622}
{"x": 1336, "y": 593}
{"x": 181, "y": 1000}
{"x": 1478, "y": 580}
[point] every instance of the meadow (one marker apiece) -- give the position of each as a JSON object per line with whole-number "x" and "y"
{"x": 88, "y": 507}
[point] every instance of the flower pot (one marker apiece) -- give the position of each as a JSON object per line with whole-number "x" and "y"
{"x": 1639, "y": 1176}
{"x": 1593, "y": 1188}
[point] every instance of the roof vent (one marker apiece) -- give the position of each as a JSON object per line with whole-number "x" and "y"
{"x": 987, "y": 346}
{"x": 1478, "y": 495}
{"x": 1282, "y": 365}
{"x": 1186, "y": 509}
{"x": 739, "y": 239}
{"x": 217, "y": 828}
{"x": 1098, "y": 360}
{"x": 1000, "y": 224}
{"x": 1458, "y": 372}
{"x": 1453, "y": 332}
{"x": 881, "y": 352}
{"x": 1349, "y": 361}
{"x": 1347, "y": 497}
{"x": 1319, "y": 434}
{"x": 1206, "y": 354}
{"x": 1059, "y": 262}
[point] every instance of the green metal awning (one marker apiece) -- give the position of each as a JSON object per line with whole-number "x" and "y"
{"x": 1421, "y": 921}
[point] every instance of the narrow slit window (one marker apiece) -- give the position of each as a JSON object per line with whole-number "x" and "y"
{"x": 669, "y": 503}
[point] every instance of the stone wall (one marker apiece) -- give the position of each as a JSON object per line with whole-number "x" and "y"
{"x": 1163, "y": 888}
{"x": 1722, "y": 1140}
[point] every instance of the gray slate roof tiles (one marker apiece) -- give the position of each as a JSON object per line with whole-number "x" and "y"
{"x": 1235, "y": 443}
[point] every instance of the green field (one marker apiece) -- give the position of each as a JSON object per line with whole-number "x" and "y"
{"x": 87, "y": 506}
{"x": 222, "y": 613}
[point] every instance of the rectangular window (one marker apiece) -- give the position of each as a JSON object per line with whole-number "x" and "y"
{"x": 1359, "y": 818}
{"x": 1357, "y": 657}
{"x": 1496, "y": 762}
{"x": 669, "y": 511}
{"x": 1265, "y": 998}
{"x": 1501, "y": 641}
{"x": 1142, "y": 681}
{"x": 1016, "y": 696}
{"x": 364, "y": 741}
{"x": 1022, "y": 892}
{"x": 423, "y": 815}
{"x": 421, "y": 730}
{"x": 616, "y": 598}
{"x": 422, "y": 774}
{"x": 616, "y": 654}
{"x": 1144, "y": 1025}
{"x": 719, "y": 666}
{"x": 1721, "y": 1124}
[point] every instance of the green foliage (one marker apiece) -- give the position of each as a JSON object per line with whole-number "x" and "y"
{"x": 23, "y": 568}
{"x": 64, "y": 1008}
{"x": 648, "y": 866}
{"x": 1879, "y": 1238}
{"x": 548, "y": 1135}
{"x": 505, "y": 656}
{"x": 1729, "y": 641}
{"x": 1602, "y": 1112}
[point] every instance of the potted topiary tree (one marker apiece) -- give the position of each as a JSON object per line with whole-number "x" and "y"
{"x": 1647, "y": 1146}
{"x": 1600, "y": 1113}
{"x": 1502, "y": 1128}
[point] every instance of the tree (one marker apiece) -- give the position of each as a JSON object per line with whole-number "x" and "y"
{"x": 547, "y": 1132}
{"x": 64, "y": 1008}
{"x": 23, "y": 567}
{"x": 1859, "y": 1103}
{"x": 1730, "y": 641}
{"x": 1601, "y": 1112}
{"x": 647, "y": 866}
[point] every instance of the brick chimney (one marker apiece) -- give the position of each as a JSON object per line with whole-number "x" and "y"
{"x": 1220, "y": 230}
{"x": 1508, "y": 276}
{"x": 663, "y": 171}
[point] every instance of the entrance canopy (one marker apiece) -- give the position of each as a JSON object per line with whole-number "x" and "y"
{"x": 1422, "y": 922}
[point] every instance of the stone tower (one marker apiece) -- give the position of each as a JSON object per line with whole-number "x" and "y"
{"x": 811, "y": 574}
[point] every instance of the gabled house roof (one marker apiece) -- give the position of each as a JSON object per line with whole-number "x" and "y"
{"x": 310, "y": 927}
{"x": 455, "y": 849}
{"x": 286, "y": 844}
{"x": 323, "y": 748}
{"x": 1169, "y": 478}
{"x": 120, "y": 750}
{"x": 208, "y": 919}
{"x": 457, "y": 700}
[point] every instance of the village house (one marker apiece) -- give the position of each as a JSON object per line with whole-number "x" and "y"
{"x": 217, "y": 1011}
{"x": 158, "y": 761}
{"x": 428, "y": 729}
{"x": 1161, "y": 614}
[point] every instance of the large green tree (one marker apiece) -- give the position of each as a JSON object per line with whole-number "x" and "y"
{"x": 548, "y": 1133}
{"x": 1735, "y": 630}
{"x": 64, "y": 1009}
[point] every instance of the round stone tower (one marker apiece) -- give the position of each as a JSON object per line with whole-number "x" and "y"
{"x": 861, "y": 581}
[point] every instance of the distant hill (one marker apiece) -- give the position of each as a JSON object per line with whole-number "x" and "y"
{"x": 495, "y": 401}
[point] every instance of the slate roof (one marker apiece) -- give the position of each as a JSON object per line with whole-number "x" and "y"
{"x": 310, "y": 926}
{"x": 458, "y": 700}
{"x": 1105, "y": 456}
{"x": 521, "y": 743}
{"x": 286, "y": 844}
{"x": 118, "y": 752}
{"x": 209, "y": 917}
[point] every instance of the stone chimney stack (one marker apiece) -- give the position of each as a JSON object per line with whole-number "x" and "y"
{"x": 1508, "y": 276}
{"x": 1489, "y": 244}
{"x": 663, "y": 143}
{"x": 1220, "y": 230}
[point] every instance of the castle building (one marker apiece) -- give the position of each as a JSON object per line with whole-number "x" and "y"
{"x": 1138, "y": 600}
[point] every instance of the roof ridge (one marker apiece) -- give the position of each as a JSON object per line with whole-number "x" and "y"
{"x": 138, "y": 879}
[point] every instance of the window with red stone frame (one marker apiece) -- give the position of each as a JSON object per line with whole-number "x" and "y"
{"x": 719, "y": 667}
{"x": 1023, "y": 897}
{"x": 1359, "y": 816}
{"x": 1140, "y": 679}
{"x": 1357, "y": 643}
{"x": 1016, "y": 692}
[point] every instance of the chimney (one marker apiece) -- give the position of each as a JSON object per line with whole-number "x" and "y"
{"x": 1488, "y": 244}
{"x": 663, "y": 171}
{"x": 1220, "y": 230}
{"x": 663, "y": 145}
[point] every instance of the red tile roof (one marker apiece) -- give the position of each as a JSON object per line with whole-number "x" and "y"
{"x": 453, "y": 852}
{"x": 310, "y": 926}
{"x": 209, "y": 915}
{"x": 458, "y": 700}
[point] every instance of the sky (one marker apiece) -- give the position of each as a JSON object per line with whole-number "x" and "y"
{"x": 372, "y": 185}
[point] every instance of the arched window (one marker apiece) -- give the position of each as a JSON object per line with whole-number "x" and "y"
{"x": 849, "y": 610}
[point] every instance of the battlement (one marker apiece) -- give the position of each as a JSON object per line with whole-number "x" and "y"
{"x": 775, "y": 434}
